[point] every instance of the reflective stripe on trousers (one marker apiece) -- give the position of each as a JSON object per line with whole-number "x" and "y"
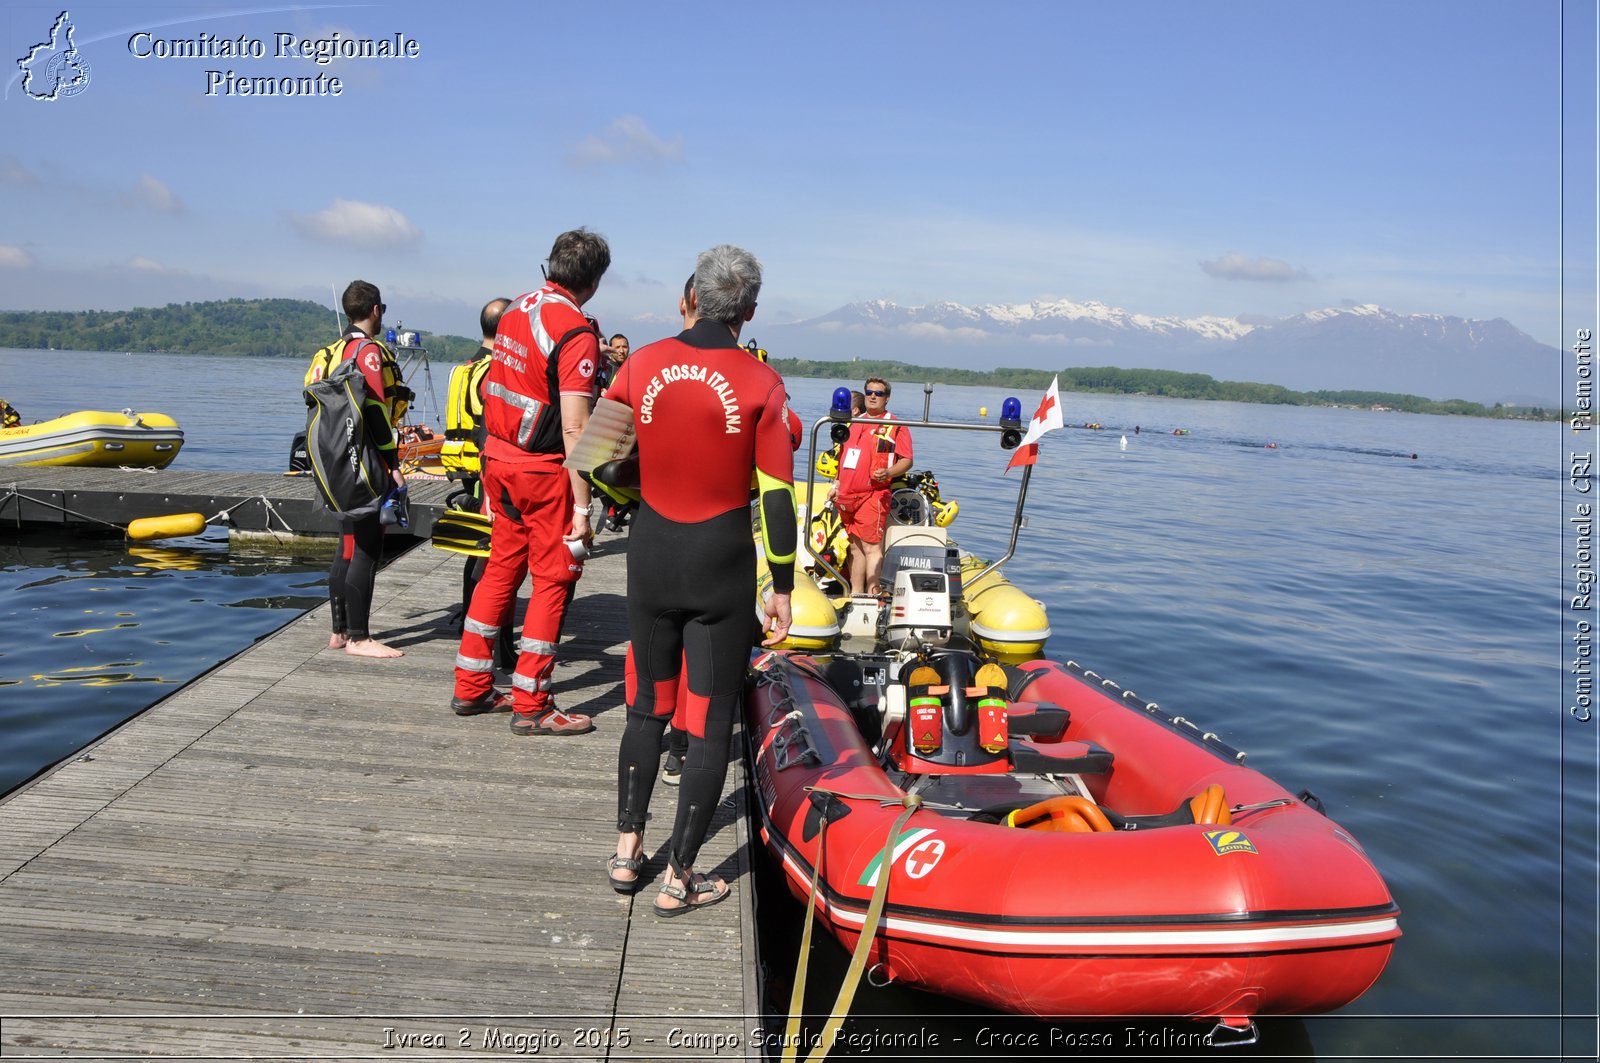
{"x": 533, "y": 510}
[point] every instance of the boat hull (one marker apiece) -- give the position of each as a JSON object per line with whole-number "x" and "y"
{"x": 93, "y": 438}
{"x": 1279, "y": 912}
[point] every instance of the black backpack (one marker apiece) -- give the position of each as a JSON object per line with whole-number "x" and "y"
{"x": 351, "y": 475}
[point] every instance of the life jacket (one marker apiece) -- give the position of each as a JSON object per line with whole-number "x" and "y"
{"x": 531, "y": 423}
{"x": 351, "y": 476}
{"x": 463, "y": 417}
{"x": 397, "y": 397}
{"x": 828, "y": 539}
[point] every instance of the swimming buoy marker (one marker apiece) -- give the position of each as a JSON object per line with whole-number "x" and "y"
{"x": 178, "y": 524}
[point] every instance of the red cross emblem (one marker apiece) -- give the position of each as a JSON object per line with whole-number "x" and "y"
{"x": 1044, "y": 408}
{"x": 924, "y": 858}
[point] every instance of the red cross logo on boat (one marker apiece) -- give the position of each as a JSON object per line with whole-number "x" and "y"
{"x": 924, "y": 858}
{"x": 1044, "y": 408}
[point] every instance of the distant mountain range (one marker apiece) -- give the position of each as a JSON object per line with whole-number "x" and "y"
{"x": 1356, "y": 347}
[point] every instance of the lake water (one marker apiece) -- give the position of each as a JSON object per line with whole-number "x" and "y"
{"x": 1387, "y": 632}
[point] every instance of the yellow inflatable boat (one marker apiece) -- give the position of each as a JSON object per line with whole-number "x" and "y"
{"x": 1002, "y": 617}
{"x": 91, "y": 438}
{"x": 814, "y": 622}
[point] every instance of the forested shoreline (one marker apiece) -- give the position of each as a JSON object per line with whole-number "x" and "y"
{"x": 293, "y": 328}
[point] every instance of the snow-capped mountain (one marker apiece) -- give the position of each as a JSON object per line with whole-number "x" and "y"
{"x": 1354, "y": 347}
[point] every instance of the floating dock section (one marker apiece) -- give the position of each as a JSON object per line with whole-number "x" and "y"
{"x": 86, "y": 499}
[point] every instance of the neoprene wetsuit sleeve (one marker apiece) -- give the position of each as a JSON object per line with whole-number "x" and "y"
{"x": 775, "y": 481}
{"x": 376, "y": 419}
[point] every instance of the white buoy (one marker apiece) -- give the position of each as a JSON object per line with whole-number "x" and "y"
{"x": 1124, "y": 442}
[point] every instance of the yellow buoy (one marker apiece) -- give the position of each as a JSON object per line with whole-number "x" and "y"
{"x": 983, "y": 411}
{"x": 167, "y": 527}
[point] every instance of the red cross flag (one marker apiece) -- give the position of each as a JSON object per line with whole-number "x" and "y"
{"x": 1047, "y": 419}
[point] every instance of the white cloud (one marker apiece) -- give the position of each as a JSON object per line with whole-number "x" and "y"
{"x": 370, "y": 226}
{"x": 13, "y": 172}
{"x": 13, "y": 257}
{"x": 146, "y": 265}
{"x": 1235, "y": 267}
{"x": 151, "y": 193}
{"x": 626, "y": 140}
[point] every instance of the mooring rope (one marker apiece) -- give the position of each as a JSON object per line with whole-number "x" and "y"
{"x": 869, "y": 931}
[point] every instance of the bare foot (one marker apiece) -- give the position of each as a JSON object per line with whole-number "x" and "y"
{"x": 371, "y": 648}
{"x": 336, "y": 641}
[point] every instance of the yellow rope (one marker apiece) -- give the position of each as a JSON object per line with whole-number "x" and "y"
{"x": 869, "y": 931}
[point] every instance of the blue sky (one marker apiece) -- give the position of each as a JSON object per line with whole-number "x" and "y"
{"x": 1232, "y": 158}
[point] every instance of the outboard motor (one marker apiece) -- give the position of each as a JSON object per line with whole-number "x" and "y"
{"x": 299, "y": 460}
{"x": 919, "y": 612}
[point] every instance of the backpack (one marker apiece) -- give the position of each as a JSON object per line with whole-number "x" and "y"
{"x": 351, "y": 476}
{"x": 328, "y": 358}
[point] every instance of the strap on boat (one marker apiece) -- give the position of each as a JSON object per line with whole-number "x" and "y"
{"x": 869, "y": 931}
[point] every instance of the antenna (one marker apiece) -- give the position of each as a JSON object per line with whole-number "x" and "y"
{"x": 338, "y": 322}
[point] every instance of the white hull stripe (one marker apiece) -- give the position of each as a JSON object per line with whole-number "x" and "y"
{"x": 995, "y": 634}
{"x": 1319, "y": 933}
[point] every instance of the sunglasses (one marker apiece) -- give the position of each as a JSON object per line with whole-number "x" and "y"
{"x": 879, "y": 394}
{"x": 383, "y": 307}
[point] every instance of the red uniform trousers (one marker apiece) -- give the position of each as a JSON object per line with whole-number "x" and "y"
{"x": 532, "y": 503}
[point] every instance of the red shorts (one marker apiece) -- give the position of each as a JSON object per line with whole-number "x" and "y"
{"x": 865, "y": 517}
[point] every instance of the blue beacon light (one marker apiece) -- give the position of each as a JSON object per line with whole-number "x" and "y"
{"x": 1011, "y": 423}
{"x": 839, "y": 414}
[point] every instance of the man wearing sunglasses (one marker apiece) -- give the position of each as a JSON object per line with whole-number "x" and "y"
{"x": 876, "y": 454}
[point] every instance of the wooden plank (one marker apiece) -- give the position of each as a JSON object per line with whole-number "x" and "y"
{"x": 315, "y": 842}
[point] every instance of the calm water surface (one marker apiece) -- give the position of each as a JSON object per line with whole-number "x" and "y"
{"x": 1383, "y": 631}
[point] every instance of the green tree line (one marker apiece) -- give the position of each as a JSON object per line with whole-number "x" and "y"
{"x": 293, "y": 328}
{"x": 1166, "y": 383}
{"x": 260, "y": 328}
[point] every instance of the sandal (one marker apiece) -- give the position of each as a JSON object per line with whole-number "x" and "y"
{"x": 627, "y": 863}
{"x": 698, "y": 885}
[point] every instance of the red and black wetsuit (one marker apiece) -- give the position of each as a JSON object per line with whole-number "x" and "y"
{"x": 706, "y": 413}
{"x": 355, "y": 563}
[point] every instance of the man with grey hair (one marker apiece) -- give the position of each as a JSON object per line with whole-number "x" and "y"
{"x": 706, "y": 414}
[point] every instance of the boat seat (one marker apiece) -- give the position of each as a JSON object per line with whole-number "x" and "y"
{"x": 1037, "y": 719}
{"x": 1059, "y": 758}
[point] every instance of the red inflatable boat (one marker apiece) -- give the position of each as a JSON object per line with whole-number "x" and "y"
{"x": 1076, "y": 852}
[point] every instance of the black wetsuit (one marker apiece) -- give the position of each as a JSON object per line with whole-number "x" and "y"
{"x": 706, "y": 414}
{"x": 354, "y": 571}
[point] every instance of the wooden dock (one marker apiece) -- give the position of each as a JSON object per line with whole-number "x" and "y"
{"x": 304, "y": 855}
{"x": 276, "y": 503}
